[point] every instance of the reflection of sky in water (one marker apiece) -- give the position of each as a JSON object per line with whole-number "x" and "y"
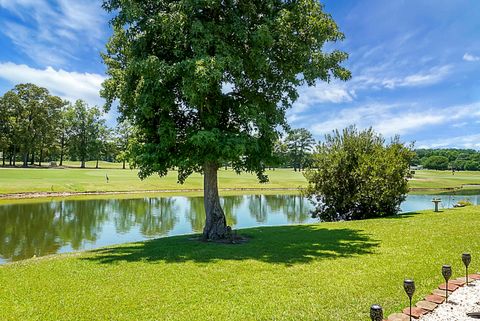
{"x": 72, "y": 225}
{"x": 423, "y": 202}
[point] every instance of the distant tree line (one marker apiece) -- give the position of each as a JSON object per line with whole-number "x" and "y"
{"x": 37, "y": 127}
{"x": 443, "y": 159}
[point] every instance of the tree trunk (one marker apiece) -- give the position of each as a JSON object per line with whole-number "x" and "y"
{"x": 25, "y": 159}
{"x": 96, "y": 166}
{"x": 61, "y": 149}
{"x": 3, "y": 159}
{"x": 82, "y": 164}
{"x": 215, "y": 221}
{"x": 32, "y": 160}
{"x": 123, "y": 164}
{"x": 40, "y": 159}
{"x": 14, "y": 154}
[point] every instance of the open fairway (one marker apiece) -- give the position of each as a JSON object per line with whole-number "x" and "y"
{"x": 426, "y": 179}
{"x": 327, "y": 271}
{"x": 17, "y": 180}
{"x": 72, "y": 180}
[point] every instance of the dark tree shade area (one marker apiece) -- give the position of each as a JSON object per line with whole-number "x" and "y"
{"x": 442, "y": 159}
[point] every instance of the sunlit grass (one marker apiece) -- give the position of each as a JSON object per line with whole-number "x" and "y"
{"x": 327, "y": 271}
{"x": 72, "y": 179}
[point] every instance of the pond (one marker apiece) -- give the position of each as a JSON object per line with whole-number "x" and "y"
{"x": 58, "y": 226}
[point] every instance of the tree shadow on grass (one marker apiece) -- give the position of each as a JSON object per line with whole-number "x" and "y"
{"x": 279, "y": 245}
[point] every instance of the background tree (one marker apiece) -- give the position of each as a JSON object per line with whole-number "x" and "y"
{"x": 49, "y": 132}
{"x": 300, "y": 143}
{"x": 29, "y": 122}
{"x": 441, "y": 159}
{"x": 102, "y": 139}
{"x": 124, "y": 138}
{"x": 170, "y": 62}
{"x": 5, "y": 129}
{"x": 10, "y": 106}
{"x": 28, "y": 105}
{"x": 358, "y": 176}
{"x": 436, "y": 162}
{"x": 280, "y": 157}
{"x": 63, "y": 130}
{"x": 83, "y": 123}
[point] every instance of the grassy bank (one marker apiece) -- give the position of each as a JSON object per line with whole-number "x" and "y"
{"x": 327, "y": 271}
{"x": 74, "y": 180}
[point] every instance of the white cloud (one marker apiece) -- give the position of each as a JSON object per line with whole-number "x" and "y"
{"x": 68, "y": 85}
{"x": 53, "y": 32}
{"x": 396, "y": 118}
{"x": 466, "y": 141}
{"x": 470, "y": 57}
{"x": 423, "y": 78}
{"x": 322, "y": 92}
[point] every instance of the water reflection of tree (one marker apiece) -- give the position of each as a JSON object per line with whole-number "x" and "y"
{"x": 295, "y": 207}
{"x": 43, "y": 228}
{"x": 80, "y": 221}
{"x": 195, "y": 213}
{"x": 154, "y": 216}
{"x": 257, "y": 206}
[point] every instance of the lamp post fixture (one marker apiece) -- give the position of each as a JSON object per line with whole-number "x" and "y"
{"x": 409, "y": 287}
{"x": 376, "y": 313}
{"x": 466, "y": 258}
{"x": 447, "y": 273}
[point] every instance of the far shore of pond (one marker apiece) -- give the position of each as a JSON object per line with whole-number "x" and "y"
{"x": 5, "y": 198}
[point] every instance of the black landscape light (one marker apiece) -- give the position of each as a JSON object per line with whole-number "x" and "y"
{"x": 447, "y": 273}
{"x": 409, "y": 286}
{"x": 376, "y": 312}
{"x": 466, "y": 258}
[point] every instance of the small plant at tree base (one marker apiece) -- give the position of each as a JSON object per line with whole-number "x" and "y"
{"x": 357, "y": 176}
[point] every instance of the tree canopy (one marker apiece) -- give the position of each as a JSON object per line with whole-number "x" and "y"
{"x": 358, "y": 176}
{"x": 208, "y": 82}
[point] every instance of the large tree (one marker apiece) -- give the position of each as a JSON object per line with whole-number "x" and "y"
{"x": 208, "y": 82}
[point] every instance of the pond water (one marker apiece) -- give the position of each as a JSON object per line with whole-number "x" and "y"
{"x": 58, "y": 226}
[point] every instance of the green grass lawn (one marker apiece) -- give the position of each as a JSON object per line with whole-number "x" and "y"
{"x": 326, "y": 271}
{"x": 18, "y": 180}
{"x": 73, "y": 179}
{"x": 444, "y": 179}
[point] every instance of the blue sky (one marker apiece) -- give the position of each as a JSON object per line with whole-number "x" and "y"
{"x": 415, "y": 64}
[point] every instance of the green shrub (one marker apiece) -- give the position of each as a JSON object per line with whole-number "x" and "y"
{"x": 358, "y": 176}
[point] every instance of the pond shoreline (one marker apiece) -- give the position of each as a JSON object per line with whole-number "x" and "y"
{"x": 32, "y": 195}
{"x": 36, "y": 195}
